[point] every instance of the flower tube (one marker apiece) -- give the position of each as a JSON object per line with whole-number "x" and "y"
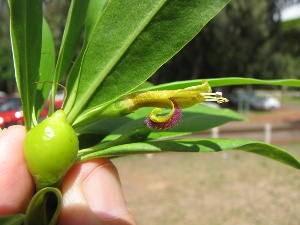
{"x": 169, "y": 99}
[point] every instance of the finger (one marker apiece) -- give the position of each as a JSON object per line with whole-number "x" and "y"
{"x": 92, "y": 194}
{"x": 16, "y": 184}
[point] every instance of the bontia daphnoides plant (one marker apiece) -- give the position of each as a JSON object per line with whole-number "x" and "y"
{"x": 107, "y": 90}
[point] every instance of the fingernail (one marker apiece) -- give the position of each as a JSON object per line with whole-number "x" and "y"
{"x": 103, "y": 192}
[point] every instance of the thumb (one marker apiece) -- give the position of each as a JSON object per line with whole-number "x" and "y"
{"x": 16, "y": 184}
{"x": 92, "y": 194}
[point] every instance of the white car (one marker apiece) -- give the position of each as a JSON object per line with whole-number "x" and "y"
{"x": 264, "y": 102}
{"x": 256, "y": 101}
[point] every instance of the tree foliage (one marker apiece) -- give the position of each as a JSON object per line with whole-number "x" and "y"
{"x": 244, "y": 40}
{"x": 55, "y": 11}
{"x": 7, "y": 80}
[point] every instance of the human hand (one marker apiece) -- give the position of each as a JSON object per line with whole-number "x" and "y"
{"x": 92, "y": 193}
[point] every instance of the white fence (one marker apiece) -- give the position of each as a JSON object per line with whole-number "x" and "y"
{"x": 267, "y": 132}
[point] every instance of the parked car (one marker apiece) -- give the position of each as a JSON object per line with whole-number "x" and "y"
{"x": 255, "y": 101}
{"x": 10, "y": 103}
{"x": 265, "y": 102}
{"x": 3, "y": 96}
{"x": 11, "y": 112}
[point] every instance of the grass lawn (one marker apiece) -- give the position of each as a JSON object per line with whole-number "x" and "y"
{"x": 225, "y": 188}
{"x": 290, "y": 100}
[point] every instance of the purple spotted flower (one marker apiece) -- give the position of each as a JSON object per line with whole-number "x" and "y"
{"x": 168, "y": 124}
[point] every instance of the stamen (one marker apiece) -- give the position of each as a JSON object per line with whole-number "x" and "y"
{"x": 214, "y": 97}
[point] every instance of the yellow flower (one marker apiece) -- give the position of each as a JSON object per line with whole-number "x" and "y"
{"x": 169, "y": 99}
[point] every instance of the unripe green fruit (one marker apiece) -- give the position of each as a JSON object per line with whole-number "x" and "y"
{"x": 50, "y": 150}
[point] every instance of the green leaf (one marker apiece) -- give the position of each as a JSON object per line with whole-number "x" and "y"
{"x": 131, "y": 41}
{"x": 94, "y": 11}
{"x": 137, "y": 134}
{"x": 197, "y": 115}
{"x": 14, "y": 219}
{"x": 26, "y": 38}
{"x": 199, "y": 145}
{"x": 44, "y": 207}
{"x": 73, "y": 30}
{"x": 144, "y": 85}
{"x": 47, "y": 66}
{"x": 71, "y": 37}
{"x": 239, "y": 81}
{"x": 219, "y": 82}
{"x": 199, "y": 118}
{"x": 194, "y": 119}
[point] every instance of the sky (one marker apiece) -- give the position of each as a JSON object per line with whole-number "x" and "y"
{"x": 291, "y": 13}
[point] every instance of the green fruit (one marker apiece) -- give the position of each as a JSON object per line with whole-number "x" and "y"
{"x": 50, "y": 150}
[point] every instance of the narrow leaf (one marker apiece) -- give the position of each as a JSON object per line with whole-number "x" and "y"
{"x": 94, "y": 11}
{"x": 26, "y": 38}
{"x": 73, "y": 30}
{"x": 44, "y": 207}
{"x": 219, "y": 82}
{"x": 199, "y": 145}
{"x": 199, "y": 118}
{"x": 194, "y": 119}
{"x": 47, "y": 66}
{"x": 72, "y": 33}
{"x": 14, "y": 219}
